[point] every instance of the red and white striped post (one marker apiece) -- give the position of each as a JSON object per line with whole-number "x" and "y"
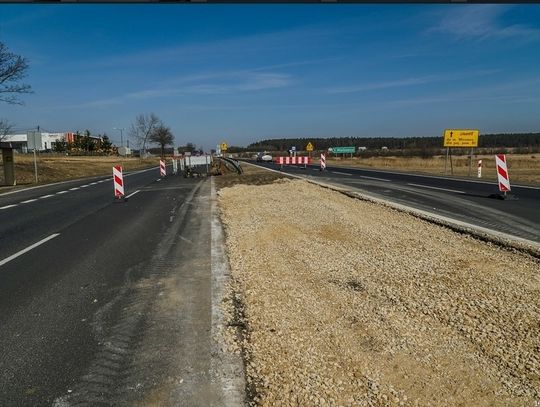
{"x": 118, "y": 181}
{"x": 502, "y": 173}
{"x": 162, "y": 170}
{"x": 323, "y": 162}
{"x": 479, "y": 168}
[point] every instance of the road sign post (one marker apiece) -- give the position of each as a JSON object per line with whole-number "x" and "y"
{"x": 459, "y": 138}
{"x": 309, "y": 148}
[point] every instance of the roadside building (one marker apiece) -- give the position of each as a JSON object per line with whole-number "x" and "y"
{"x": 45, "y": 141}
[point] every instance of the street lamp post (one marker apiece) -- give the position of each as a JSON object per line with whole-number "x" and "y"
{"x": 121, "y": 135}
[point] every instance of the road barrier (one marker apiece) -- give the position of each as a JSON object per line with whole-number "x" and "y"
{"x": 118, "y": 180}
{"x": 162, "y": 170}
{"x": 502, "y": 173}
{"x": 293, "y": 160}
{"x": 479, "y": 168}
{"x": 323, "y": 162}
{"x": 174, "y": 166}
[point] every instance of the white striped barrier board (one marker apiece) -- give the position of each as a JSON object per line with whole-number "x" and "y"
{"x": 118, "y": 181}
{"x": 293, "y": 160}
{"x": 174, "y": 166}
{"x": 502, "y": 173}
{"x": 162, "y": 170}
{"x": 323, "y": 162}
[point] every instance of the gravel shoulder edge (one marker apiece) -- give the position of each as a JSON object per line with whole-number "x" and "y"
{"x": 501, "y": 239}
{"x": 227, "y": 368}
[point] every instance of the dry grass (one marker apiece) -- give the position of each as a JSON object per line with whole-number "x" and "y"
{"x": 59, "y": 168}
{"x": 523, "y": 168}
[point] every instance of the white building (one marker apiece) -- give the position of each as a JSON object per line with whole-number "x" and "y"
{"x": 44, "y": 142}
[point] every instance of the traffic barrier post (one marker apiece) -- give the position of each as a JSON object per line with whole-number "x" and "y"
{"x": 323, "y": 162}
{"x": 162, "y": 170}
{"x": 479, "y": 168}
{"x": 502, "y": 173}
{"x": 118, "y": 181}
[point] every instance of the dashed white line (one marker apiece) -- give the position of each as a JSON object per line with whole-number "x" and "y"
{"x": 84, "y": 186}
{"x": 62, "y": 192}
{"x": 93, "y": 183}
{"x": 159, "y": 179}
{"x": 45, "y": 196}
{"x": 23, "y": 251}
{"x": 133, "y": 193}
{"x": 74, "y": 189}
{"x": 437, "y": 188}
{"x": 8, "y": 206}
{"x": 375, "y": 178}
{"x": 340, "y": 173}
{"x": 29, "y": 200}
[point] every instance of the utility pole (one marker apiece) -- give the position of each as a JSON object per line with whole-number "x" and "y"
{"x": 35, "y": 159}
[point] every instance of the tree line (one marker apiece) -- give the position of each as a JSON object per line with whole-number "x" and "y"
{"x": 503, "y": 140}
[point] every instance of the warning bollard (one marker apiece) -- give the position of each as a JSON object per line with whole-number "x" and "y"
{"x": 323, "y": 162}
{"x": 502, "y": 173}
{"x": 162, "y": 170}
{"x": 118, "y": 181}
{"x": 479, "y": 168}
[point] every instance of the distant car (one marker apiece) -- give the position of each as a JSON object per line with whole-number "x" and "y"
{"x": 266, "y": 158}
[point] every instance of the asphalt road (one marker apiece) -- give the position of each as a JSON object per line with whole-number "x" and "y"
{"x": 105, "y": 302}
{"x": 463, "y": 200}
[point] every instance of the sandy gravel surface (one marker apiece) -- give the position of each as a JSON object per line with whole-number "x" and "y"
{"x": 337, "y": 301}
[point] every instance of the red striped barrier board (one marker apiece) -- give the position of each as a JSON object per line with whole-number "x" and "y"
{"x": 293, "y": 160}
{"x": 162, "y": 170}
{"x": 118, "y": 181}
{"x": 323, "y": 162}
{"x": 502, "y": 173}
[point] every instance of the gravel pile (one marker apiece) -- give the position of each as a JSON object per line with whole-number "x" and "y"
{"x": 337, "y": 301}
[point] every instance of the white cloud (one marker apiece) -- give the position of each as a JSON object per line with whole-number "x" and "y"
{"x": 482, "y": 22}
{"x": 408, "y": 81}
{"x": 226, "y": 83}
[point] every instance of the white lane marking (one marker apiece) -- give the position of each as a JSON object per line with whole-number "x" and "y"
{"x": 23, "y": 251}
{"x": 437, "y": 188}
{"x": 45, "y": 196}
{"x": 340, "y": 173}
{"x": 133, "y": 193}
{"x": 7, "y": 206}
{"x": 74, "y": 189}
{"x": 171, "y": 218}
{"x": 84, "y": 186}
{"x": 375, "y": 178}
{"x": 93, "y": 183}
{"x": 29, "y": 200}
{"x": 62, "y": 192}
{"x": 159, "y": 179}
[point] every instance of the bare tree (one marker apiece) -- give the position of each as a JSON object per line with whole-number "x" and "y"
{"x": 13, "y": 68}
{"x": 162, "y": 135}
{"x": 142, "y": 129}
{"x": 5, "y": 129}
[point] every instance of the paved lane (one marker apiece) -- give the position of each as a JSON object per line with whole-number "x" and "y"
{"x": 115, "y": 308}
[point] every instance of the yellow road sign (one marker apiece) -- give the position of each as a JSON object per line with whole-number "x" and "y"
{"x": 224, "y": 146}
{"x": 309, "y": 147}
{"x": 460, "y": 138}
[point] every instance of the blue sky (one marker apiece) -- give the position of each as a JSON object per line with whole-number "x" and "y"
{"x": 242, "y": 73}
